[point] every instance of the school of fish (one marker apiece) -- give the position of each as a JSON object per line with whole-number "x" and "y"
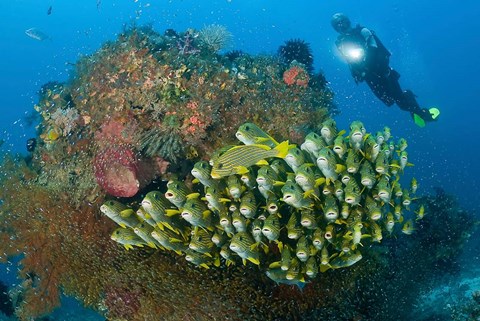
{"x": 294, "y": 211}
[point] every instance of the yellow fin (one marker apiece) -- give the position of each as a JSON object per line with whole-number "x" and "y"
{"x": 172, "y": 212}
{"x": 340, "y": 168}
{"x": 319, "y": 181}
{"x": 261, "y": 162}
{"x": 195, "y": 181}
{"x": 178, "y": 252}
{"x": 152, "y": 245}
{"x": 127, "y": 213}
{"x": 216, "y": 262}
{"x": 241, "y": 169}
{"x": 128, "y": 246}
{"x": 244, "y": 261}
{"x": 254, "y": 261}
{"x": 161, "y": 226}
{"x": 204, "y": 265}
{"x": 282, "y": 149}
{"x": 192, "y": 196}
{"x": 275, "y": 265}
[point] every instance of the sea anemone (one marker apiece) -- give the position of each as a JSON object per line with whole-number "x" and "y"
{"x": 299, "y": 50}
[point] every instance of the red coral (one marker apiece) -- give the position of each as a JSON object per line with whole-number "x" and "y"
{"x": 120, "y": 173}
{"x": 296, "y": 76}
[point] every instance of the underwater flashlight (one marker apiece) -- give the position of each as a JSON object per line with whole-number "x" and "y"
{"x": 353, "y": 53}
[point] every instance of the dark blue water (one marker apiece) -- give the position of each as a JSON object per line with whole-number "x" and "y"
{"x": 434, "y": 45}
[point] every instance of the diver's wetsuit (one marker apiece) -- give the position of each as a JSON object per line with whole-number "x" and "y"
{"x": 372, "y": 66}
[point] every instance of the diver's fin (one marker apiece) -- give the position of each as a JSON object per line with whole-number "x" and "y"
{"x": 418, "y": 121}
{"x": 435, "y": 112}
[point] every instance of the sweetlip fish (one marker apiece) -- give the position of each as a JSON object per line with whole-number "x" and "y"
{"x": 250, "y": 134}
{"x": 237, "y": 159}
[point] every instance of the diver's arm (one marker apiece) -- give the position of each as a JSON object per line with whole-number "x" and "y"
{"x": 369, "y": 38}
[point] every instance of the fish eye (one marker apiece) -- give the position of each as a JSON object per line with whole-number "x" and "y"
{"x": 156, "y": 196}
{"x": 247, "y": 128}
{"x": 193, "y": 205}
{"x": 220, "y": 165}
{"x": 199, "y": 238}
{"x": 240, "y": 238}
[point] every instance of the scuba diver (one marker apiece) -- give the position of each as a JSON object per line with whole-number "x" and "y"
{"x": 369, "y": 61}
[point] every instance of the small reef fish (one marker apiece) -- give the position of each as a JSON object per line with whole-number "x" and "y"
{"x": 328, "y": 164}
{"x": 294, "y": 230}
{"x": 36, "y": 34}
{"x": 408, "y": 227}
{"x": 144, "y": 230}
{"x": 293, "y": 196}
{"x": 242, "y": 244}
{"x": 49, "y": 11}
{"x": 329, "y": 131}
{"x": 294, "y": 158}
{"x": 280, "y": 277}
{"x": 170, "y": 240}
{"x": 196, "y": 213}
{"x": 202, "y": 260}
{"x": 201, "y": 171}
{"x": 308, "y": 219}
{"x": 201, "y": 241}
{"x": 237, "y": 159}
{"x": 250, "y": 134}
{"x": 157, "y": 206}
{"x": 120, "y": 213}
{"x": 313, "y": 144}
{"x": 271, "y": 227}
{"x": 177, "y": 193}
{"x": 127, "y": 238}
{"x": 357, "y": 132}
{"x": 345, "y": 260}
{"x": 339, "y": 146}
{"x": 311, "y": 267}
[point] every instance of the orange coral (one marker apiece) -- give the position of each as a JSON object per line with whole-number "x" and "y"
{"x": 296, "y": 75}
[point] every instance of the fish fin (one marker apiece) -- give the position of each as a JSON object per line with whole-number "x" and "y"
{"x": 174, "y": 240}
{"x": 178, "y": 252}
{"x": 409, "y": 164}
{"x": 275, "y": 265}
{"x": 161, "y": 226}
{"x": 244, "y": 261}
{"x": 282, "y": 149}
{"x": 127, "y": 213}
{"x": 195, "y": 181}
{"x": 206, "y": 214}
{"x": 280, "y": 247}
{"x": 254, "y": 260}
{"x": 224, "y": 200}
{"x": 152, "y": 245}
{"x": 260, "y": 163}
{"x": 241, "y": 170}
{"x": 172, "y": 212}
{"x": 122, "y": 225}
{"x": 265, "y": 247}
{"x": 339, "y": 168}
{"x": 278, "y": 183}
{"x": 128, "y": 246}
{"x": 254, "y": 246}
{"x": 208, "y": 254}
{"x": 192, "y": 196}
{"x": 319, "y": 181}
{"x": 216, "y": 262}
{"x": 171, "y": 228}
{"x": 204, "y": 265}
{"x": 325, "y": 267}
{"x": 342, "y": 132}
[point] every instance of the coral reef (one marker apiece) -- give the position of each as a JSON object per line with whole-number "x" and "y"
{"x": 214, "y": 37}
{"x": 165, "y": 99}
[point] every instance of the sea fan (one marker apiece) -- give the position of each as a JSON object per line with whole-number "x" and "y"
{"x": 214, "y": 37}
{"x": 299, "y": 50}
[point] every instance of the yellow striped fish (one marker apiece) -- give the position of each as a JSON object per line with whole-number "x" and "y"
{"x": 237, "y": 159}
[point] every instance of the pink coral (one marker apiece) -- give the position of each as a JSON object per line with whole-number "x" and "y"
{"x": 122, "y": 174}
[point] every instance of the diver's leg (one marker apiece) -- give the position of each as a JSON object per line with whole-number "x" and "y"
{"x": 377, "y": 85}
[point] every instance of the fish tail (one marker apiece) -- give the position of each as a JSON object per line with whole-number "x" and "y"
{"x": 282, "y": 149}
